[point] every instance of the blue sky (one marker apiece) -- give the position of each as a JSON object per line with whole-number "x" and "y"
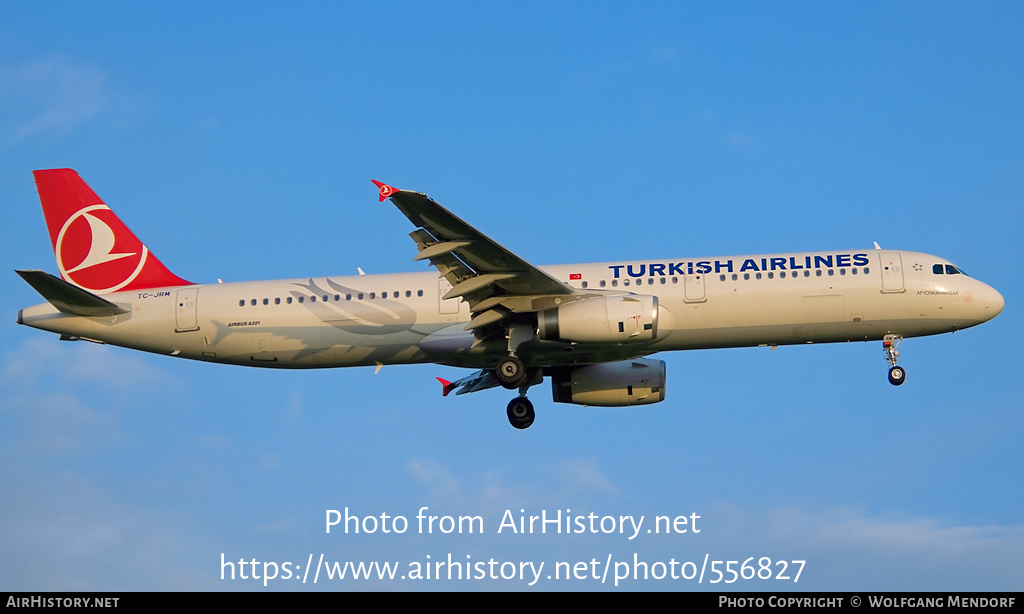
{"x": 239, "y": 140}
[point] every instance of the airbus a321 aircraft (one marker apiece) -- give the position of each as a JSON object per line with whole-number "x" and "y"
{"x": 588, "y": 327}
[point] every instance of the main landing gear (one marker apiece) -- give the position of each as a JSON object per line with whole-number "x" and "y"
{"x": 897, "y": 375}
{"x": 520, "y": 412}
{"x": 512, "y": 374}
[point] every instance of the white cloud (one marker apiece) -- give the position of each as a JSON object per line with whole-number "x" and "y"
{"x": 55, "y": 95}
{"x": 895, "y": 534}
{"x": 492, "y": 489}
{"x": 43, "y": 358}
{"x": 67, "y": 397}
{"x": 67, "y": 534}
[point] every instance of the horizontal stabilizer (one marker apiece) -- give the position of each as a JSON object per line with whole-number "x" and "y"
{"x": 69, "y": 298}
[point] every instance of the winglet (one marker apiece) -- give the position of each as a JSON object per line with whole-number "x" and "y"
{"x": 447, "y": 386}
{"x": 385, "y": 189}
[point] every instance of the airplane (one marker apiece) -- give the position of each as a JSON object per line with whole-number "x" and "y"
{"x": 588, "y": 327}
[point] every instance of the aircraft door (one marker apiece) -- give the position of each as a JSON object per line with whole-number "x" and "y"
{"x": 693, "y": 288}
{"x": 185, "y": 303}
{"x": 446, "y": 306}
{"x": 892, "y": 271}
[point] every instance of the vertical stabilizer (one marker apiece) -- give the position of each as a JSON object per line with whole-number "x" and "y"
{"x": 93, "y": 247}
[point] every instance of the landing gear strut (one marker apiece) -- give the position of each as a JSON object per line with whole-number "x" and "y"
{"x": 897, "y": 375}
{"x": 520, "y": 409}
{"x": 512, "y": 373}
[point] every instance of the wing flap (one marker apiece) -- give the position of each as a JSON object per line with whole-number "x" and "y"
{"x": 483, "y": 318}
{"x": 440, "y": 249}
{"x": 472, "y": 284}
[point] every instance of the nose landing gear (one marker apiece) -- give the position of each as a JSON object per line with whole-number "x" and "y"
{"x": 897, "y": 375}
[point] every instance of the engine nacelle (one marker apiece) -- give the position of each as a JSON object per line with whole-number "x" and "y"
{"x": 622, "y": 318}
{"x": 613, "y": 384}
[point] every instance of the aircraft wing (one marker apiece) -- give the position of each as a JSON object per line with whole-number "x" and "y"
{"x": 488, "y": 276}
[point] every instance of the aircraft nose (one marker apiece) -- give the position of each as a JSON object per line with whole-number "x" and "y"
{"x": 989, "y": 300}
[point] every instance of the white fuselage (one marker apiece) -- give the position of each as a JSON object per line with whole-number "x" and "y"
{"x": 772, "y": 299}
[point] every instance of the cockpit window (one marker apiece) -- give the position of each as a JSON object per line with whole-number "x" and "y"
{"x": 948, "y": 269}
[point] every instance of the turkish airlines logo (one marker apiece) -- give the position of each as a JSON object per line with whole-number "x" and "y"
{"x": 96, "y": 251}
{"x": 385, "y": 189}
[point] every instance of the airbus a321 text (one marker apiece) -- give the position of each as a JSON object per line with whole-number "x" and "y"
{"x": 587, "y": 327}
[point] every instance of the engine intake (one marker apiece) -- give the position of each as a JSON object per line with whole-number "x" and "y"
{"x": 614, "y": 384}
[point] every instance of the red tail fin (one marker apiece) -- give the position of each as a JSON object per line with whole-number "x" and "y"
{"x": 94, "y": 249}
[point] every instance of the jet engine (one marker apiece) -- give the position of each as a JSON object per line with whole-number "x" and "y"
{"x": 614, "y": 384}
{"x": 623, "y": 318}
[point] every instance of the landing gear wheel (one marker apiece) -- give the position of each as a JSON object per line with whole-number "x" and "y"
{"x": 897, "y": 376}
{"x": 511, "y": 372}
{"x": 520, "y": 412}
